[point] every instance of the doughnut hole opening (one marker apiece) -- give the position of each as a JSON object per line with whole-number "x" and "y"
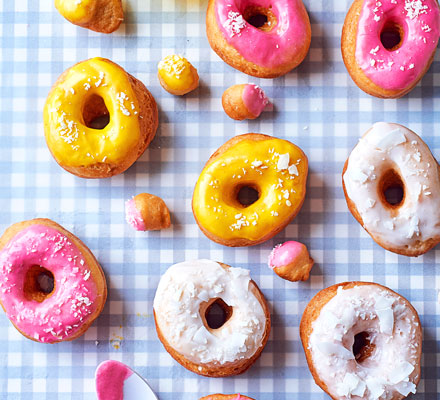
{"x": 392, "y": 35}
{"x": 215, "y": 313}
{"x": 95, "y": 113}
{"x": 247, "y": 195}
{"x": 260, "y": 18}
{"x": 392, "y": 189}
{"x": 362, "y": 347}
{"x": 39, "y": 284}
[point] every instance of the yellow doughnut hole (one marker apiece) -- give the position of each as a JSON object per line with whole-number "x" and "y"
{"x": 176, "y": 75}
{"x": 76, "y": 11}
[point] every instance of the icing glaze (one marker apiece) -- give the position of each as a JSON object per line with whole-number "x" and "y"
{"x": 393, "y": 328}
{"x": 269, "y": 49}
{"x": 76, "y": 11}
{"x": 133, "y": 215}
{"x": 62, "y": 314}
{"x": 180, "y": 293}
{"x": 74, "y": 144}
{"x": 276, "y": 167}
{"x": 254, "y": 99}
{"x": 110, "y": 377}
{"x": 388, "y": 146}
{"x": 285, "y": 254}
{"x": 176, "y": 72}
{"x": 398, "y": 69}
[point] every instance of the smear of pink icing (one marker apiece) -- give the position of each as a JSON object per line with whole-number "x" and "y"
{"x": 72, "y": 301}
{"x": 285, "y": 254}
{"x": 110, "y": 377}
{"x": 254, "y": 99}
{"x": 396, "y": 70}
{"x": 133, "y": 215}
{"x": 267, "y": 49}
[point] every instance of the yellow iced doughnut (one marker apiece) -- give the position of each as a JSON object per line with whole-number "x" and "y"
{"x": 98, "y": 15}
{"x": 93, "y": 89}
{"x": 176, "y": 75}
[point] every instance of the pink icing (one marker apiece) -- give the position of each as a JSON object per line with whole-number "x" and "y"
{"x": 133, "y": 215}
{"x": 396, "y": 70}
{"x": 285, "y": 254}
{"x": 110, "y": 377}
{"x": 61, "y": 315}
{"x": 254, "y": 99}
{"x": 267, "y": 49}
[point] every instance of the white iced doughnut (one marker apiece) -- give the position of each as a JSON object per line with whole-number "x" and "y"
{"x": 390, "y": 155}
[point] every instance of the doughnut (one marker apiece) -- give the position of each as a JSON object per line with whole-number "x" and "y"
{"x": 51, "y": 286}
{"x": 390, "y": 156}
{"x": 275, "y": 169}
{"x": 147, "y": 212}
{"x": 388, "y": 45}
{"x": 226, "y": 397}
{"x": 291, "y": 261}
{"x": 177, "y": 76}
{"x": 363, "y": 341}
{"x": 103, "y": 16}
{"x": 185, "y": 295}
{"x": 262, "y": 38}
{"x": 88, "y": 92}
{"x": 244, "y": 101}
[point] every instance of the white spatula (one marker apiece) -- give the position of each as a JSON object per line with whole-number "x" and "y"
{"x": 116, "y": 381}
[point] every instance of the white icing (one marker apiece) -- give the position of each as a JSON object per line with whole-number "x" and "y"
{"x": 393, "y": 330}
{"x": 181, "y": 291}
{"x": 388, "y": 146}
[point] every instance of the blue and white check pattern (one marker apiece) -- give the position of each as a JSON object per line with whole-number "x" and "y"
{"x": 316, "y": 106}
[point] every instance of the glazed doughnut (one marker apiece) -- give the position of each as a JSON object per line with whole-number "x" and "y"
{"x": 388, "y": 45}
{"x": 103, "y": 16}
{"x": 291, "y": 261}
{"x": 186, "y": 293}
{"x": 34, "y": 253}
{"x": 363, "y": 341}
{"x": 147, "y": 212}
{"x": 245, "y": 101}
{"x": 226, "y": 397}
{"x": 390, "y": 156}
{"x": 236, "y": 33}
{"x": 275, "y": 168}
{"x": 177, "y": 76}
{"x": 91, "y": 90}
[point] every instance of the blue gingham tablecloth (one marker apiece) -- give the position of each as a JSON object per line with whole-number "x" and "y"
{"x": 316, "y": 106}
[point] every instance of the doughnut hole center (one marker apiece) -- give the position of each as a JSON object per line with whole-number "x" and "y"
{"x": 362, "y": 347}
{"x": 39, "y": 284}
{"x": 247, "y": 195}
{"x": 260, "y": 17}
{"x": 392, "y": 189}
{"x": 95, "y": 113}
{"x": 392, "y": 35}
{"x": 216, "y": 313}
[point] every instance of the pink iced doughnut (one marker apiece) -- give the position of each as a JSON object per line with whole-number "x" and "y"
{"x": 383, "y": 67}
{"x": 269, "y": 48}
{"x": 31, "y": 252}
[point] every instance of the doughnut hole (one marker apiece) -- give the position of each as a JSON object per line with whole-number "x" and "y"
{"x": 260, "y": 18}
{"x": 392, "y": 35}
{"x": 362, "y": 347}
{"x": 95, "y": 113}
{"x": 247, "y": 195}
{"x": 215, "y": 313}
{"x": 392, "y": 189}
{"x": 39, "y": 284}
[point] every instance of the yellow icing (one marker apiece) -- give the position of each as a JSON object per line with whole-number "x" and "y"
{"x": 74, "y": 144}
{"x": 78, "y": 11}
{"x": 254, "y": 164}
{"x": 176, "y": 72}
